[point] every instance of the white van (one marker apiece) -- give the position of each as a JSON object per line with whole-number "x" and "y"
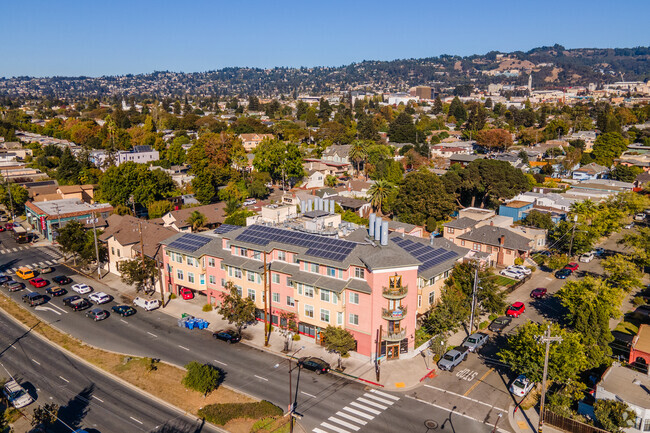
{"x": 146, "y": 304}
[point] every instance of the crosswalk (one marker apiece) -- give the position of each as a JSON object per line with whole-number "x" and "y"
{"x": 358, "y": 413}
{"x": 12, "y": 250}
{"x": 34, "y": 266}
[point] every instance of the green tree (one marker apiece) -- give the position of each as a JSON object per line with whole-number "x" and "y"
{"x": 282, "y": 161}
{"x": 69, "y": 168}
{"x": 18, "y": 194}
{"x": 358, "y": 154}
{"x": 45, "y": 416}
{"x": 331, "y": 181}
{"x": 256, "y": 184}
{"x": 141, "y": 276}
{"x": 402, "y": 129}
{"x": 324, "y": 110}
{"x": 448, "y": 314}
{"x": 457, "y": 109}
{"x": 176, "y": 155}
{"x": 131, "y": 179}
{"x": 639, "y": 243}
{"x": 71, "y": 238}
{"x": 238, "y": 217}
{"x": 422, "y": 195}
{"x": 437, "y": 106}
{"x": 621, "y": 272}
{"x": 204, "y": 186}
{"x": 157, "y": 209}
{"x": 253, "y": 103}
{"x": 607, "y": 147}
{"x": 541, "y": 220}
{"x": 197, "y": 220}
{"x": 378, "y": 193}
{"x": 613, "y": 415}
{"x": 203, "y": 378}
{"x": 339, "y": 341}
{"x": 236, "y": 309}
{"x": 367, "y": 129}
{"x": 625, "y": 173}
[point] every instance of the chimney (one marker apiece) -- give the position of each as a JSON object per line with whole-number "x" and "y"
{"x": 371, "y": 225}
{"x": 501, "y": 240}
{"x": 384, "y": 233}
{"x": 378, "y": 228}
{"x": 491, "y": 222}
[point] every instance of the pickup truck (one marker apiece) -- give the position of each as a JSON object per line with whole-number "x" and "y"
{"x": 146, "y": 304}
{"x": 452, "y": 358}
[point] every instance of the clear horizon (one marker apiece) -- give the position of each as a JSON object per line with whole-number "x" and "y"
{"x": 73, "y": 38}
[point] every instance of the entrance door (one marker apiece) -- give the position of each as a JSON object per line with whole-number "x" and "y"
{"x": 392, "y": 351}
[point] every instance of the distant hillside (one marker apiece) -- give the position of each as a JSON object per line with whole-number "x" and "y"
{"x": 551, "y": 67}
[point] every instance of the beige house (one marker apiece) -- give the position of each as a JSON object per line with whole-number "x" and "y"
{"x": 250, "y": 141}
{"x": 177, "y": 219}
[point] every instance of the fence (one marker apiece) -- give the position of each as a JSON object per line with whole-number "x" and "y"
{"x": 569, "y": 424}
{"x": 512, "y": 288}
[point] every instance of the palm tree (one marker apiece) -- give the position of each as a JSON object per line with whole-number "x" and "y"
{"x": 197, "y": 220}
{"x": 358, "y": 152}
{"x": 378, "y": 193}
{"x": 586, "y": 209}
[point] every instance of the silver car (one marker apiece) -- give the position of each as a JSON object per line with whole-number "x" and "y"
{"x": 475, "y": 341}
{"x": 16, "y": 394}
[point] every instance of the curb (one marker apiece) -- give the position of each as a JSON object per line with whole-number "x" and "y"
{"x": 104, "y": 372}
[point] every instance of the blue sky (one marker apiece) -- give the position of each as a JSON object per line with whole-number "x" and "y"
{"x": 93, "y": 38}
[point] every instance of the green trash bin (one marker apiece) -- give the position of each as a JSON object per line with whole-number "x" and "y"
{"x": 184, "y": 315}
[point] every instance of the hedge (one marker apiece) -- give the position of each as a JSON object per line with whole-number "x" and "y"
{"x": 220, "y": 414}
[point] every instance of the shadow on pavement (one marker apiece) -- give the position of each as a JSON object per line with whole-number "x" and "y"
{"x": 73, "y": 413}
{"x": 179, "y": 426}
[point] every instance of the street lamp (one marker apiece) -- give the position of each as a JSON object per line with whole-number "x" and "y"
{"x": 292, "y": 403}
{"x": 496, "y": 422}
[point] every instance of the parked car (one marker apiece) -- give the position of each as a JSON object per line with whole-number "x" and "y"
{"x": 100, "y": 298}
{"x": 572, "y": 266}
{"x": 25, "y": 273}
{"x": 56, "y": 291}
{"x": 33, "y": 299}
{"x": 97, "y": 314}
{"x": 500, "y": 323}
{"x": 2, "y": 228}
{"x": 227, "y": 335}
{"x": 520, "y": 268}
{"x": 38, "y": 282}
{"x": 4, "y": 279}
{"x": 587, "y": 257}
{"x": 82, "y": 288}
{"x": 475, "y": 341}
{"x": 512, "y": 274}
{"x": 314, "y": 364}
{"x": 46, "y": 270}
{"x": 62, "y": 280}
{"x": 451, "y": 359}
{"x": 186, "y": 293}
{"x": 639, "y": 217}
{"x": 249, "y": 201}
{"x": 516, "y": 309}
{"x": 628, "y": 226}
{"x": 538, "y": 293}
{"x": 521, "y": 386}
{"x": 80, "y": 304}
{"x": 563, "y": 274}
{"x": 146, "y": 304}
{"x": 599, "y": 251}
{"x": 123, "y": 310}
{"x": 14, "y": 286}
{"x": 16, "y": 394}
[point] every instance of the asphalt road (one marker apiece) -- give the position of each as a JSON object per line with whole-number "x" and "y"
{"x": 87, "y": 398}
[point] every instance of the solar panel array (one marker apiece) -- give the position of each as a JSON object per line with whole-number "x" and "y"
{"x": 428, "y": 255}
{"x": 225, "y": 228}
{"x": 189, "y": 242}
{"x": 318, "y": 246}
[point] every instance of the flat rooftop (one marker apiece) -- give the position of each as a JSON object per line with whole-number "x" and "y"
{"x": 621, "y": 381}
{"x": 69, "y": 205}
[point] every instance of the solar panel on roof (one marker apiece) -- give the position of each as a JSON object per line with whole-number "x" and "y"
{"x": 189, "y": 242}
{"x": 428, "y": 255}
{"x": 225, "y": 228}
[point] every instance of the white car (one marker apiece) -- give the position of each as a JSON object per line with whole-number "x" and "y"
{"x": 100, "y": 298}
{"x": 16, "y": 394}
{"x": 519, "y": 268}
{"x": 628, "y": 226}
{"x": 587, "y": 257}
{"x": 82, "y": 288}
{"x": 146, "y": 304}
{"x": 512, "y": 274}
{"x": 639, "y": 217}
{"x": 521, "y": 386}
{"x": 249, "y": 201}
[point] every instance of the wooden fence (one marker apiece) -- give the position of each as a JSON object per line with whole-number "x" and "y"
{"x": 568, "y": 424}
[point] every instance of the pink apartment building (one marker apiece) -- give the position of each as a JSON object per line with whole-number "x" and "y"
{"x": 366, "y": 282}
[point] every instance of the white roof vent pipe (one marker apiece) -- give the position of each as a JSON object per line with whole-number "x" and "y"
{"x": 371, "y": 225}
{"x": 384, "y": 233}
{"x": 378, "y": 228}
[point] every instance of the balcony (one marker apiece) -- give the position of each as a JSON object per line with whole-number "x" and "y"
{"x": 394, "y": 336}
{"x": 395, "y": 293}
{"x": 393, "y": 314}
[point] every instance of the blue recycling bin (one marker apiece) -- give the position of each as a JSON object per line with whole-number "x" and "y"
{"x": 190, "y": 324}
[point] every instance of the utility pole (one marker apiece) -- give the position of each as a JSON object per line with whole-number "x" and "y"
{"x": 471, "y": 316}
{"x": 266, "y": 304}
{"x": 11, "y": 201}
{"x": 573, "y": 232}
{"x": 140, "y": 230}
{"x": 494, "y": 430}
{"x": 546, "y": 339}
{"x": 99, "y": 270}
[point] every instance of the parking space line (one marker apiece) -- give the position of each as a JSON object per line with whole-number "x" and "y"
{"x": 122, "y": 320}
{"x": 153, "y": 335}
{"x": 35, "y": 362}
{"x": 471, "y": 388}
{"x": 219, "y": 362}
{"x": 64, "y": 379}
{"x": 308, "y": 394}
{"x": 263, "y": 378}
{"x": 466, "y": 398}
{"x": 183, "y": 347}
{"x": 57, "y": 307}
{"x": 98, "y": 399}
{"x": 136, "y": 420}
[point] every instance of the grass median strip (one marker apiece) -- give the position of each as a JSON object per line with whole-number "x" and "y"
{"x": 157, "y": 378}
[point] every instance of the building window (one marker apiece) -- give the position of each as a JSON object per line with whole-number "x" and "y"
{"x": 179, "y": 274}
{"x": 211, "y": 263}
{"x": 112, "y": 250}
{"x": 212, "y": 279}
{"x": 240, "y": 290}
{"x": 243, "y": 252}
{"x": 275, "y": 297}
{"x": 353, "y": 319}
{"x": 462, "y": 243}
{"x": 325, "y": 315}
{"x": 354, "y": 298}
{"x": 289, "y": 282}
{"x": 646, "y": 425}
{"x": 223, "y": 282}
{"x": 331, "y": 272}
{"x": 251, "y": 276}
{"x": 432, "y": 298}
{"x": 257, "y": 255}
{"x": 275, "y": 278}
{"x": 282, "y": 256}
{"x": 315, "y": 268}
{"x": 324, "y": 295}
{"x": 238, "y": 273}
{"x": 508, "y": 252}
{"x": 202, "y": 279}
{"x": 290, "y": 301}
{"x": 359, "y": 273}
{"x": 190, "y": 277}
{"x": 190, "y": 261}
{"x": 309, "y": 291}
{"x": 450, "y": 230}
{"x": 395, "y": 282}
{"x": 251, "y": 294}
{"x": 118, "y": 252}
{"x": 476, "y": 247}
{"x": 419, "y": 301}
{"x": 309, "y": 311}
{"x": 339, "y": 318}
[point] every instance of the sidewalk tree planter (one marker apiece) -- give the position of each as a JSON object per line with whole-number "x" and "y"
{"x": 138, "y": 275}
{"x": 236, "y": 309}
{"x": 339, "y": 341}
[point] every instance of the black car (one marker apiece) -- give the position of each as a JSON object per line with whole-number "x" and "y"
{"x": 500, "y": 323}
{"x": 62, "y": 279}
{"x": 314, "y": 364}
{"x": 227, "y": 335}
{"x": 70, "y": 299}
{"x": 123, "y": 310}
{"x": 81, "y": 304}
{"x": 56, "y": 291}
{"x": 5, "y": 279}
{"x": 563, "y": 274}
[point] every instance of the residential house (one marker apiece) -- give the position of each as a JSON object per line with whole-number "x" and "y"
{"x": 640, "y": 350}
{"x": 515, "y": 209}
{"x": 636, "y": 159}
{"x": 503, "y": 245}
{"x": 631, "y": 387}
{"x": 141, "y": 154}
{"x": 338, "y": 153}
{"x": 589, "y": 137}
{"x": 84, "y": 193}
{"x": 408, "y": 229}
{"x": 590, "y": 171}
{"x": 463, "y": 159}
{"x": 314, "y": 179}
{"x": 449, "y": 150}
{"x": 177, "y": 219}
{"x": 358, "y": 206}
{"x": 642, "y": 180}
{"x": 251, "y": 141}
{"x": 47, "y": 216}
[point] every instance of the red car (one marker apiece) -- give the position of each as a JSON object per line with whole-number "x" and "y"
{"x": 9, "y": 226}
{"x": 572, "y": 267}
{"x": 2, "y": 229}
{"x": 186, "y": 293}
{"x": 538, "y": 293}
{"x": 516, "y": 309}
{"x": 38, "y": 282}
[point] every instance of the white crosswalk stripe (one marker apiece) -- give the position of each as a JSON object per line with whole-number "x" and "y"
{"x": 34, "y": 265}
{"x": 358, "y": 413}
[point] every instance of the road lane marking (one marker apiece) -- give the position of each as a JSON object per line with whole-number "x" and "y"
{"x": 343, "y": 423}
{"x": 334, "y": 428}
{"x": 357, "y": 412}
{"x": 153, "y": 335}
{"x": 136, "y": 420}
{"x": 58, "y": 308}
{"x": 219, "y": 362}
{"x": 64, "y": 379}
{"x": 183, "y": 347}
{"x": 471, "y": 388}
{"x": 308, "y": 394}
{"x": 466, "y": 398}
{"x": 98, "y": 399}
{"x": 366, "y": 408}
{"x": 260, "y": 377}
{"x": 317, "y": 430}
{"x": 122, "y": 320}
{"x": 549, "y": 278}
{"x": 372, "y": 403}
{"x": 35, "y": 362}
{"x": 379, "y": 399}
{"x": 14, "y": 250}
{"x": 351, "y": 418}
{"x": 383, "y": 394}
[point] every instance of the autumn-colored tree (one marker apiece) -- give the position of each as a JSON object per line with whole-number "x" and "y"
{"x": 494, "y": 138}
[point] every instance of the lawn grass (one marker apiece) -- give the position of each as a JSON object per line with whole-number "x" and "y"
{"x": 504, "y": 281}
{"x": 627, "y": 328}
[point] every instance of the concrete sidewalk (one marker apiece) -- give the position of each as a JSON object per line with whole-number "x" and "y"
{"x": 526, "y": 421}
